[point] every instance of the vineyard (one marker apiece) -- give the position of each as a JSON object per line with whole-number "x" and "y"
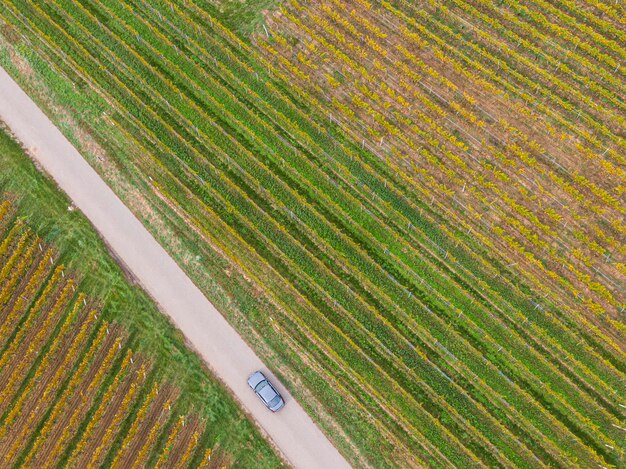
{"x": 73, "y": 391}
{"x": 80, "y": 386}
{"x": 416, "y": 209}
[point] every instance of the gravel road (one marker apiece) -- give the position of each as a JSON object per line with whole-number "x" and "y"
{"x": 231, "y": 359}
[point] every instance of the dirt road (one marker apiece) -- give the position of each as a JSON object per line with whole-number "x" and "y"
{"x": 231, "y": 359}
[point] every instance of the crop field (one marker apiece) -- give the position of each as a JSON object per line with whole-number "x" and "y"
{"x": 72, "y": 390}
{"x": 81, "y": 383}
{"x": 416, "y": 210}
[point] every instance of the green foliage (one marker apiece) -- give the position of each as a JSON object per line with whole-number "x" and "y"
{"x": 337, "y": 266}
{"x": 45, "y": 209}
{"x": 245, "y": 16}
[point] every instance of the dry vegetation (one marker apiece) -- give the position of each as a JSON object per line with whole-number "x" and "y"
{"x": 73, "y": 392}
{"x": 418, "y": 207}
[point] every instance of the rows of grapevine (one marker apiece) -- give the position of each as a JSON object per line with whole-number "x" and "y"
{"x": 73, "y": 392}
{"x": 429, "y": 258}
{"x": 538, "y": 228}
{"x": 478, "y": 164}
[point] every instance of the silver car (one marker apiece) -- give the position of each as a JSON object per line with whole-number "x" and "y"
{"x": 266, "y": 392}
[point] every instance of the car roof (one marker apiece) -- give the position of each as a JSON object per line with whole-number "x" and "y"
{"x": 267, "y": 392}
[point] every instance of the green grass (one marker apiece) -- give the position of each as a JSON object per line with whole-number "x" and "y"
{"x": 313, "y": 247}
{"x": 245, "y": 16}
{"x": 45, "y": 209}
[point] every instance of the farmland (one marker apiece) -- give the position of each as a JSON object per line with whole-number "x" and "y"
{"x": 413, "y": 210}
{"x": 85, "y": 382}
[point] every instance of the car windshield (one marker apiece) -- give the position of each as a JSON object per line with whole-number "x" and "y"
{"x": 274, "y": 401}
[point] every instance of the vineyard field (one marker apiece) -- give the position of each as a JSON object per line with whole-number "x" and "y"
{"x": 80, "y": 386}
{"x": 413, "y": 211}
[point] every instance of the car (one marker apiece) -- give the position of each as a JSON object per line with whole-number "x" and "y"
{"x": 266, "y": 392}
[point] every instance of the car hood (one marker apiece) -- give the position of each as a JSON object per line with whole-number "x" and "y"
{"x": 255, "y": 379}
